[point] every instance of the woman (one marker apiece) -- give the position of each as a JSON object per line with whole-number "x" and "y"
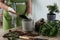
{"x": 5, "y": 7}
{"x": 11, "y": 10}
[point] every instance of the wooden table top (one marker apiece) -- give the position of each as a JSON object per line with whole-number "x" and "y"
{"x": 42, "y": 37}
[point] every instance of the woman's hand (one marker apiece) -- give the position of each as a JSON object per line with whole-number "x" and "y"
{"x": 12, "y": 12}
{"x": 7, "y": 8}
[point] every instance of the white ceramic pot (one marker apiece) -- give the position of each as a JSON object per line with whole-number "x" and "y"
{"x": 27, "y": 25}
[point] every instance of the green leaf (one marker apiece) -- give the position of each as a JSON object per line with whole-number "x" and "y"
{"x": 53, "y": 8}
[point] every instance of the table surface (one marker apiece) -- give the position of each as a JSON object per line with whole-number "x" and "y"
{"x": 42, "y": 37}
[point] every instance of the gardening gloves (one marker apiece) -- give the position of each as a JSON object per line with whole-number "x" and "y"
{"x": 30, "y": 16}
{"x": 12, "y": 10}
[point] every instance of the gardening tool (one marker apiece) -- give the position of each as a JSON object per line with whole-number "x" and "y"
{"x": 21, "y": 15}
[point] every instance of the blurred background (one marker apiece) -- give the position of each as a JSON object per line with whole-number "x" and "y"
{"x": 39, "y": 9}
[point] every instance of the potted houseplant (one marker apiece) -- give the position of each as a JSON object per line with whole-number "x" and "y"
{"x": 53, "y": 9}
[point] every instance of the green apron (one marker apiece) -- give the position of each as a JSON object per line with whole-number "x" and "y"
{"x": 20, "y": 9}
{"x": 7, "y": 19}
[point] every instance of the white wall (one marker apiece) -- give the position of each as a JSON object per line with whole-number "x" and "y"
{"x": 40, "y": 10}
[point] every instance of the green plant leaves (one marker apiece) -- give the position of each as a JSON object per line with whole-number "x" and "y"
{"x": 13, "y": 36}
{"x": 53, "y": 8}
{"x": 50, "y": 28}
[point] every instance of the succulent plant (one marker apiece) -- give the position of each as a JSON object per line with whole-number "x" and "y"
{"x": 53, "y": 8}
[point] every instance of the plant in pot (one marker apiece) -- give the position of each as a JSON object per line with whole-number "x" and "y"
{"x": 53, "y": 9}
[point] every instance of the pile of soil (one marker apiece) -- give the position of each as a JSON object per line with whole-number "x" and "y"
{"x": 20, "y": 33}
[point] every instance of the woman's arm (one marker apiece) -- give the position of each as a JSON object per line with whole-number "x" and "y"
{"x": 3, "y": 6}
{"x": 29, "y": 6}
{"x": 11, "y": 11}
{"x": 29, "y": 9}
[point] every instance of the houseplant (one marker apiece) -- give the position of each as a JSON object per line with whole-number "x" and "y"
{"x": 50, "y": 28}
{"x": 53, "y": 9}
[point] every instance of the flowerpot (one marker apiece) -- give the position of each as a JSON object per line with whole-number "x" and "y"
{"x": 51, "y": 17}
{"x": 27, "y": 25}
